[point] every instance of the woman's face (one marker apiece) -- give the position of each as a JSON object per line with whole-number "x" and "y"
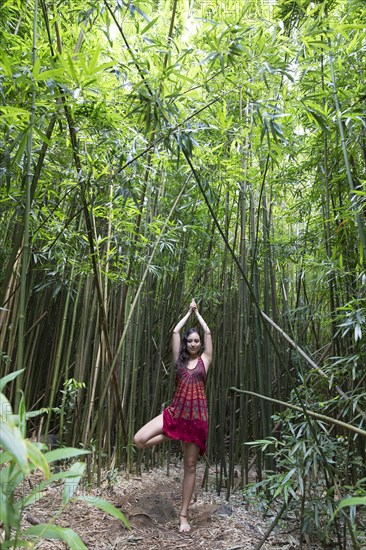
{"x": 193, "y": 344}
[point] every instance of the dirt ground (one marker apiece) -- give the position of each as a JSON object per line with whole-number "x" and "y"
{"x": 151, "y": 503}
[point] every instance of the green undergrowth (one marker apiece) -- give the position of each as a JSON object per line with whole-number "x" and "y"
{"x": 21, "y": 458}
{"x": 308, "y": 483}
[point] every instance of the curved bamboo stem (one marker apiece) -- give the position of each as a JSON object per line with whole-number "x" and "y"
{"x": 310, "y": 361}
{"x": 318, "y": 416}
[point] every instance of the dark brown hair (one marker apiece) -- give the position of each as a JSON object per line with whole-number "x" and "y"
{"x": 183, "y": 355}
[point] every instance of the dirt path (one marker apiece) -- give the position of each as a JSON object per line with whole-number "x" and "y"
{"x": 151, "y": 504}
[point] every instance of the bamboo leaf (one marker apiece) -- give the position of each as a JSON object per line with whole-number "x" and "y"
{"x": 37, "y": 458}
{"x": 28, "y": 414}
{"x": 5, "y": 409}
{"x": 134, "y": 8}
{"x": 106, "y": 507}
{"x": 9, "y": 378}
{"x": 12, "y": 112}
{"x": 72, "y": 69}
{"x": 36, "y": 68}
{"x": 52, "y": 74}
{"x": 149, "y": 25}
{"x": 288, "y": 475}
{"x": 72, "y": 482}
{"x": 348, "y": 502}
{"x": 5, "y": 457}
{"x": 94, "y": 60}
{"x": 8, "y": 513}
{"x": 22, "y": 415}
{"x": 182, "y": 76}
{"x": 20, "y": 543}
{"x": 349, "y": 26}
{"x": 42, "y": 135}
{"x": 5, "y": 63}
{"x": 11, "y": 440}
{"x": 38, "y": 491}
{"x": 64, "y": 454}
{"x": 44, "y": 530}
{"x": 101, "y": 67}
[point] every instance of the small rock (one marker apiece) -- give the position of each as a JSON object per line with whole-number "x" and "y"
{"x": 224, "y": 510}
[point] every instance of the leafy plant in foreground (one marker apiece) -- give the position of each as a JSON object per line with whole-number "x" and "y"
{"x": 304, "y": 482}
{"x": 19, "y": 458}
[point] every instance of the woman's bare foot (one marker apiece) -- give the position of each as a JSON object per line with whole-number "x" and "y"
{"x": 184, "y": 526}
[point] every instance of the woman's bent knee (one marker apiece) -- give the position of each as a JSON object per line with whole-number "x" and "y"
{"x": 148, "y": 432}
{"x": 139, "y": 441}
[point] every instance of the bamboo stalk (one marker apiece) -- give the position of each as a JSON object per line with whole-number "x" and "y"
{"x": 59, "y": 353}
{"x": 273, "y": 524}
{"x": 135, "y": 300}
{"x": 27, "y": 207}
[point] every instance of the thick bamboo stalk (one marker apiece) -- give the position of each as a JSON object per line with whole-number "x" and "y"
{"x": 327, "y": 224}
{"x": 91, "y": 397}
{"x": 55, "y": 383}
{"x": 27, "y": 207}
{"x": 243, "y": 325}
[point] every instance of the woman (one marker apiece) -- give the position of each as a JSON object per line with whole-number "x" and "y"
{"x": 186, "y": 418}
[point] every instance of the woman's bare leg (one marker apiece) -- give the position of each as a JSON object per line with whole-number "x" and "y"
{"x": 190, "y": 461}
{"x": 151, "y": 433}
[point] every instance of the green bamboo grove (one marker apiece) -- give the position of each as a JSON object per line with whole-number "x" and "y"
{"x": 154, "y": 152}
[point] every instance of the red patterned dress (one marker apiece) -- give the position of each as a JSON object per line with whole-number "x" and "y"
{"x": 186, "y": 418}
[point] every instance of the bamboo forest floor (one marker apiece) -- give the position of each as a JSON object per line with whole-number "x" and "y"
{"x": 151, "y": 504}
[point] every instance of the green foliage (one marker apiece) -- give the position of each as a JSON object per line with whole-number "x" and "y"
{"x": 65, "y": 534}
{"x": 354, "y": 318}
{"x": 68, "y": 405}
{"x": 308, "y": 464}
{"x": 19, "y": 458}
{"x": 126, "y": 94}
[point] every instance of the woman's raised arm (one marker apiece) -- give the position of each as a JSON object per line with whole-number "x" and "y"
{"x": 176, "y": 331}
{"x": 207, "y": 354}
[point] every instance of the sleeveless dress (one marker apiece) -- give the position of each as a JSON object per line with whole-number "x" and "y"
{"x": 186, "y": 418}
